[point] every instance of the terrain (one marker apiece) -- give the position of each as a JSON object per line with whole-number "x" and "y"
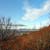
{"x": 32, "y": 40}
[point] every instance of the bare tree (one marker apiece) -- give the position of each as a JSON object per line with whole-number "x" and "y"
{"x": 5, "y": 25}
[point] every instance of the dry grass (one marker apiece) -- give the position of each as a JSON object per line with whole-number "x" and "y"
{"x": 37, "y": 40}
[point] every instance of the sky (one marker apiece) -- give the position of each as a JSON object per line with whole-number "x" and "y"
{"x": 32, "y": 13}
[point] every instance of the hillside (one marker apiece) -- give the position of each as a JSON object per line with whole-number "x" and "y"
{"x": 33, "y": 40}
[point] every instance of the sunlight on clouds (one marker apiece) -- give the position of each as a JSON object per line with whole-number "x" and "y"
{"x": 42, "y": 24}
{"x": 36, "y": 25}
{"x": 31, "y": 14}
{"x": 34, "y": 13}
{"x": 25, "y": 27}
{"x": 47, "y": 6}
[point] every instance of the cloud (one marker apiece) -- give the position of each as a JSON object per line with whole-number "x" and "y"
{"x": 43, "y": 24}
{"x": 36, "y": 26}
{"x": 34, "y": 13}
{"x": 31, "y": 14}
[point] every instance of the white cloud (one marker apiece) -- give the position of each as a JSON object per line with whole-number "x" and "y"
{"x": 42, "y": 24}
{"x": 36, "y": 25}
{"x": 34, "y": 13}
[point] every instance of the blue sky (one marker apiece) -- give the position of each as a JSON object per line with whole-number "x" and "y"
{"x": 27, "y": 12}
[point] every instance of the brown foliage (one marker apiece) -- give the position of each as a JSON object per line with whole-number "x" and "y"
{"x": 36, "y": 40}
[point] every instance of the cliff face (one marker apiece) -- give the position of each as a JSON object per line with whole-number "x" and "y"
{"x": 36, "y": 40}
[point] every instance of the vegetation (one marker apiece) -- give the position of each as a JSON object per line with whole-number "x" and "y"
{"x": 35, "y": 40}
{"x": 5, "y": 25}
